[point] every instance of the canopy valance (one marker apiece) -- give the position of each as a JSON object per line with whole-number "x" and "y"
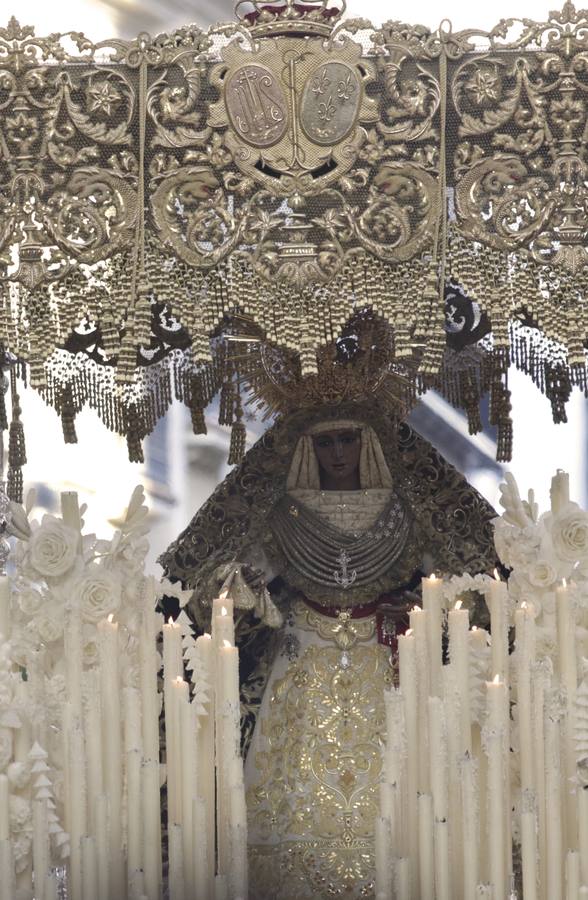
{"x": 281, "y": 181}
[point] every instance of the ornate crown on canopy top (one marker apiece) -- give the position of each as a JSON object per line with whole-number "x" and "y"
{"x": 310, "y": 17}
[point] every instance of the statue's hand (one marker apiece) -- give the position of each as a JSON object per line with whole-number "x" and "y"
{"x": 245, "y": 585}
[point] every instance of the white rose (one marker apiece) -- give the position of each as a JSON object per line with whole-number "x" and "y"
{"x": 570, "y": 534}
{"x": 30, "y": 601}
{"x": 516, "y": 546}
{"x": 99, "y": 594}
{"x": 48, "y": 623}
{"x": 20, "y": 812}
{"x": 53, "y": 548}
{"x": 542, "y": 574}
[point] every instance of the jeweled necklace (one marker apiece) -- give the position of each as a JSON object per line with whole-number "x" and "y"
{"x": 328, "y": 556}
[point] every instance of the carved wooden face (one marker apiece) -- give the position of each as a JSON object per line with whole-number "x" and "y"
{"x": 338, "y": 454}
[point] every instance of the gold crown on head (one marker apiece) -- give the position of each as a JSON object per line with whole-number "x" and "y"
{"x": 303, "y": 17}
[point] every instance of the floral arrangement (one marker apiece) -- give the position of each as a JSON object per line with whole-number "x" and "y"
{"x": 60, "y": 570}
{"x": 542, "y": 551}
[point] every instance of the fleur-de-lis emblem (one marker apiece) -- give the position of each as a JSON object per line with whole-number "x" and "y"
{"x": 320, "y": 82}
{"x": 346, "y": 88}
{"x": 326, "y": 110}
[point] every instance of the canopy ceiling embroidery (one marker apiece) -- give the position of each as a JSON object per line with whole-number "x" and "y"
{"x": 295, "y": 193}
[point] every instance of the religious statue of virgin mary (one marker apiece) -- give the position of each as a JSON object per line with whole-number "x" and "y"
{"x": 321, "y": 536}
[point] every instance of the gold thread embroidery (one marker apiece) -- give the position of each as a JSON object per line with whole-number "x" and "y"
{"x": 315, "y": 797}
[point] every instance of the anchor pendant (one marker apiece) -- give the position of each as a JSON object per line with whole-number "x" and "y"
{"x": 342, "y": 575}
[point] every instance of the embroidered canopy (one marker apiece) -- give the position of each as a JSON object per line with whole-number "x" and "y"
{"x": 268, "y": 205}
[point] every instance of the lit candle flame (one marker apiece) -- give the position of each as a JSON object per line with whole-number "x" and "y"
{"x": 170, "y": 621}
{"x": 564, "y": 583}
{"x": 111, "y": 618}
{"x": 206, "y": 635}
{"x": 227, "y": 644}
{"x": 408, "y": 632}
{"x": 416, "y": 608}
{"x": 432, "y": 577}
{"x": 223, "y": 611}
{"x": 496, "y": 575}
{"x": 459, "y": 604}
{"x": 474, "y": 627}
{"x": 496, "y": 679}
{"x": 178, "y": 679}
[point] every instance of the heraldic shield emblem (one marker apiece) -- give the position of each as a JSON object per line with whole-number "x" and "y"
{"x": 294, "y": 106}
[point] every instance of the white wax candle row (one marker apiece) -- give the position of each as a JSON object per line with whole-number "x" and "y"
{"x": 202, "y": 747}
{"x": 446, "y": 823}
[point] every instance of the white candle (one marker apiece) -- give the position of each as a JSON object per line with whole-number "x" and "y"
{"x": 133, "y": 754}
{"x": 7, "y": 881}
{"x": 432, "y": 604}
{"x": 419, "y": 628}
{"x": 176, "y": 863}
{"x": 499, "y": 628}
{"x": 566, "y": 647}
{"x": 408, "y": 686}
{"x": 459, "y": 654}
{"x": 583, "y": 832}
{"x": 75, "y": 774}
{"x": 4, "y": 808}
{"x": 73, "y": 642}
{"x": 572, "y": 875}
{"x": 529, "y": 849}
{"x": 5, "y": 617}
{"x": 40, "y": 847}
{"x": 202, "y": 851}
{"x": 101, "y": 835}
{"x": 553, "y": 799}
{"x": 227, "y": 746}
{"x": 426, "y": 853}
{"x": 223, "y": 627}
{"x": 205, "y": 777}
{"x": 93, "y": 744}
{"x": 402, "y": 879}
{"x": 150, "y": 706}
{"x": 497, "y": 699}
{"x": 559, "y": 492}
{"x": 525, "y": 656}
{"x": 470, "y": 826}
{"x": 51, "y": 887}
{"x": 112, "y": 748}
{"x": 188, "y": 774}
{"x": 383, "y": 856}
{"x": 90, "y": 869}
{"x": 173, "y": 669}
{"x": 438, "y": 757}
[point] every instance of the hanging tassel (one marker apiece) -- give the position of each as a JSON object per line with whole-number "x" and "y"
{"x": 4, "y": 384}
{"x": 68, "y": 421}
{"x": 134, "y": 431}
{"x": 135, "y": 448}
{"x": 237, "y": 447}
{"x": 238, "y": 433}
{"x": 16, "y": 446}
{"x": 197, "y": 404}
